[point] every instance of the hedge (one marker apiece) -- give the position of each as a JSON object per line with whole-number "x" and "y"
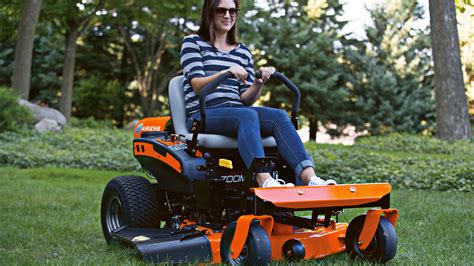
{"x": 405, "y": 161}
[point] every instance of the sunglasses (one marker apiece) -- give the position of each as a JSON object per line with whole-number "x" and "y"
{"x": 221, "y": 11}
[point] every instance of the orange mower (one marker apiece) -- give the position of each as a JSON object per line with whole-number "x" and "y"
{"x": 203, "y": 205}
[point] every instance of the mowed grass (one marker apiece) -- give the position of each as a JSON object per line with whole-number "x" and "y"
{"x": 51, "y": 216}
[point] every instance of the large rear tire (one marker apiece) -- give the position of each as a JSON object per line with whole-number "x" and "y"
{"x": 130, "y": 201}
{"x": 381, "y": 249}
{"x": 257, "y": 249}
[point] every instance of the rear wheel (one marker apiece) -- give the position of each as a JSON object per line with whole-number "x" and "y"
{"x": 381, "y": 249}
{"x": 256, "y": 251}
{"x": 130, "y": 201}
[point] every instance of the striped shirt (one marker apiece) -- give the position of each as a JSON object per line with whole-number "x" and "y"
{"x": 200, "y": 59}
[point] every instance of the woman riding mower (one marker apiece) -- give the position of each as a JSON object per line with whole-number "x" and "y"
{"x": 214, "y": 51}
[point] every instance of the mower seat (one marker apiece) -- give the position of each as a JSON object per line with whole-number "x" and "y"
{"x": 178, "y": 115}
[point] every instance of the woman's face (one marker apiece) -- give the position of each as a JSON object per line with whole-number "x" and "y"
{"x": 225, "y": 16}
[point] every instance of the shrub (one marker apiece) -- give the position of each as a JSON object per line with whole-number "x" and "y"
{"x": 104, "y": 149}
{"x": 424, "y": 163}
{"x": 416, "y": 143}
{"x": 12, "y": 115}
{"x": 98, "y": 98}
{"x": 90, "y": 122}
{"x": 405, "y": 161}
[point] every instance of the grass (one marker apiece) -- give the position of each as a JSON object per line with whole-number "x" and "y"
{"x": 51, "y": 216}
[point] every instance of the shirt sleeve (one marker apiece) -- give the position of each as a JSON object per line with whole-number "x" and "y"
{"x": 191, "y": 59}
{"x": 251, "y": 77}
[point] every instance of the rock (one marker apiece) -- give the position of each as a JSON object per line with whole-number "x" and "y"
{"x": 47, "y": 125}
{"x": 39, "y": 113}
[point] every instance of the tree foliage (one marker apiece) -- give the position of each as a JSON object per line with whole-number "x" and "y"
{"x": 301, "y": 40}
{"x": 391, "y": 75}
{"x": 380, "y": 84}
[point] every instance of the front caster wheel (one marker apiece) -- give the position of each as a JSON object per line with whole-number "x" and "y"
{"x": 257, "y": 249}
{"x": 381, "y": 249}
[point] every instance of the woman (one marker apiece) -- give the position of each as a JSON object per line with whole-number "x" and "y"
{"x": 214, "y": 51}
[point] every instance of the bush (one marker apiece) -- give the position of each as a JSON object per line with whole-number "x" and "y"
{"x": 90, "y": 122}
{"x": 416, "y": 143}
{"x": 13, "y": 116}
{"x": 98, "y": 98}
{"x": 405, "y": 161}
{"x": 104, "y": 149}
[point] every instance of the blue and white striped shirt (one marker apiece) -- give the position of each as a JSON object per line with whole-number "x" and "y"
{"x": 200, "y": 59}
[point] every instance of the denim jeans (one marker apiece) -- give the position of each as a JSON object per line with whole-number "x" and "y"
{"x": 248, "y": 124}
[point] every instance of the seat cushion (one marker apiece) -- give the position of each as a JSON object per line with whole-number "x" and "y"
{"x": 178, "y": 115}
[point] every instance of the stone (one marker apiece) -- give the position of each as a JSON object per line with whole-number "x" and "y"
{"x": 39, "y": 113}
{"x": 47, "y": 125}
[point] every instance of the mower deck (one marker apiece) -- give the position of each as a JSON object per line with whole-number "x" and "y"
{"x": 202, "y": 244}
{"x": 323, "y": 196}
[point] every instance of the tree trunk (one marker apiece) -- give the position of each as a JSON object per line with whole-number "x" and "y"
{"x": 313, "y": 128}
{"x": 452, "y": 117}
{"x": 65, "y": 103}
{"x": 24, "y": 48}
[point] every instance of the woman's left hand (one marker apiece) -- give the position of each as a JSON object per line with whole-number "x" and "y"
{"x": 266, "y": 74}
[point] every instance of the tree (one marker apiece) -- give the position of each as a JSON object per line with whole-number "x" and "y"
{"x": 452, "y": 117}
{"x": 301, "y": 39}
{"x": 71, "y": 18}
{"x": 24, "y": 48}
{"x": 390, "y": 74}
{"x": 151, "y": 33}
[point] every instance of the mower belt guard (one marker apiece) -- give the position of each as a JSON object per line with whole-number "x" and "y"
{"x": 159, "y": 245}
{"x": 305, "y": 197}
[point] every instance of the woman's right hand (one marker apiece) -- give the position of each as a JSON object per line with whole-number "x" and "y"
{"x": 239, "y": 73}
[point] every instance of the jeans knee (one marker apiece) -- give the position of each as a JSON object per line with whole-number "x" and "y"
{"x": 249, "y": 116}
{"x": 279, "y": 116}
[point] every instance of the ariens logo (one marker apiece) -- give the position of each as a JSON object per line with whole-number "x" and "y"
{"x": 151, "y": 128}
{"x": 140, "y": 128}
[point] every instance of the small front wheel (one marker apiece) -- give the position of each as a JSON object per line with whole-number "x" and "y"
{"x": 256, "y": 251}
{"x": 381, "y": 249}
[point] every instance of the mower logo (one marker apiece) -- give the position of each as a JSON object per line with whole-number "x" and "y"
{"x": 151, "y": 128}
{"x": 233, "y": 178}
{"x": 139, "y": 128}
{"x": 147, "y": 128}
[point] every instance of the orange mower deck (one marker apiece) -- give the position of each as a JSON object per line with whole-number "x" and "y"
{"x": 316, "y": 243}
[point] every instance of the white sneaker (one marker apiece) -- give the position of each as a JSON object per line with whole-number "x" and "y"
{"x": 271, "y": 182}
{"x": 317, "y": 181}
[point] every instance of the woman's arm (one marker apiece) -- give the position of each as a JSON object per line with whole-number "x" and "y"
{"x": 199, "y": 83}
{"x": 253, "y": 92}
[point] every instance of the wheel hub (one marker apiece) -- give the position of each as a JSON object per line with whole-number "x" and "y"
{"x": 114, "y": 215}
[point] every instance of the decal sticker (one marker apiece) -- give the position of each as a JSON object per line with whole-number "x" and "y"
{"x": 139, "y": 128}
{"x": 233, "y": 178}
{"x": 151, "y": 128}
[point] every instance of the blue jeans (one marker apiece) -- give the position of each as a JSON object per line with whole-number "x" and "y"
{"x": 248, "y": 124}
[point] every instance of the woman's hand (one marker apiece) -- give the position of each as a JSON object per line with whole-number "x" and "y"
{"x": 266, "y": 74}
{"x": 239, "y": 73}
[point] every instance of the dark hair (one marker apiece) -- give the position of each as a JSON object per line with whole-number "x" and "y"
{"x": 206, "y": 27}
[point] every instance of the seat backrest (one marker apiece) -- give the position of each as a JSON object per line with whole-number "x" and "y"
{"x": 177, "y": 105}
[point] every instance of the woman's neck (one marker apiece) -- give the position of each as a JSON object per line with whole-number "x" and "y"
{"x": 221, "y": 40}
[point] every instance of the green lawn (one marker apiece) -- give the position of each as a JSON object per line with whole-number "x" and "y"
{"x": 52, "y": 216}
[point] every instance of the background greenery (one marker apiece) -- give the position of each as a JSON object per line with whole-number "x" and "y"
{"x": 379, "y": 83}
